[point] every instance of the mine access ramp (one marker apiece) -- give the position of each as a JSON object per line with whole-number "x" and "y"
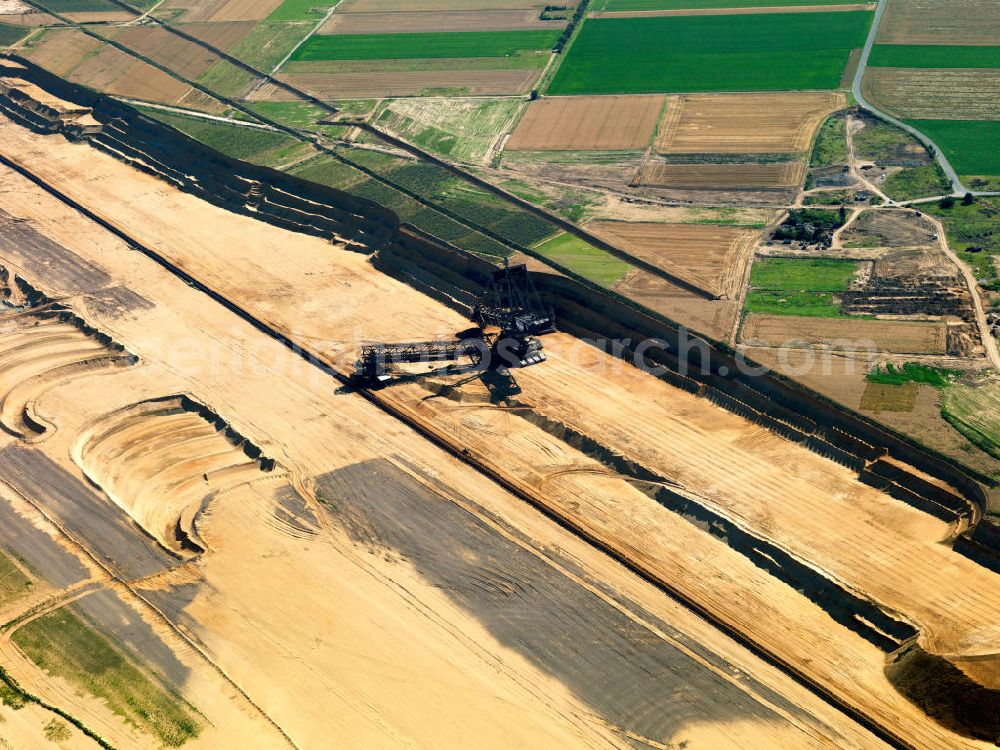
{"x": 509, "y": 318}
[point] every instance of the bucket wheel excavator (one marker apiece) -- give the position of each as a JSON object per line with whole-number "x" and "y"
{"x": 509, "y": 319}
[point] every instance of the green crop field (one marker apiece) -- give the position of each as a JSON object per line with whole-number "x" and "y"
{"x": 700, "y": 4}
{"x": 756, "y": 52}
{"x": 10, "y": 34}
{"x": 970, "y": 145}
{"x": 299, "y": 10}
{"x": 792, "y": 286}
{"x": 933, "y": 56}
{"x": 435, "y": 45}
{"x": 580, "y": 257}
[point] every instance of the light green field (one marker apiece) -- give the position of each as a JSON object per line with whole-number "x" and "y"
{"x": 580, "y": 257}
{"x": 460, "y": 129}
{"x": 793, "y": 286}
{"x": 63, "y": 645}
{"x": 975, "y": 412}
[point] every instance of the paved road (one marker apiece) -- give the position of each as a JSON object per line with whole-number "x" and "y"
{"x": 956, "y": 183}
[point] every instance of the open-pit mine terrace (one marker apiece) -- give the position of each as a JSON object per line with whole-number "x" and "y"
{"x": 372, "y": 565}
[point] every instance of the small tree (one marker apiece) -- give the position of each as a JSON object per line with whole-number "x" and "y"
{"x": 947, "y": 202}
{"x": 968, "y": 199}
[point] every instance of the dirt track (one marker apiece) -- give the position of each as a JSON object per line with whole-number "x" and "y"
{"x": 687, "y": 445}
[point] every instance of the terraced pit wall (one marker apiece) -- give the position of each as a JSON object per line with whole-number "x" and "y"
{"x": 264, "y": 193}
{"x": 456, "y": 278}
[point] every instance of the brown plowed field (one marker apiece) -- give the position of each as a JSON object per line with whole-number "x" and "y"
{"x": 220, "y": 10}
{"x": 863, "y": 334}
{"x": 114, "y": 72}
{"x": 784, "y": 174}
{"x": 403, "y": 83}
{"x": 745, "y": 123}
{"x": 191, "y": 10}
{"x": 711, "y": 257}
{"x": 733, "y": 11}
{"x": 61, "y": 50}
{"x": 935, "y": 94}
{"x": 410, "y": 21}
{"x": 587, "y": 123}
{"x": 179, "y": 55}
{"x": 974, "y": 22}
{"x": 245, "y": 10}
{"x": 224, "y": 35}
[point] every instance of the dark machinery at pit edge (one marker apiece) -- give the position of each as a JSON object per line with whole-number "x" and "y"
{"x": 509, "y": 318}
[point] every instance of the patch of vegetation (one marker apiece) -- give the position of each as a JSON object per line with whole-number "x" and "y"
{"x": 583, "y": 258}
{"x": 794, "y": 286}
{"x": 226, "y": 79}
{"x": 11, "y": 698}
{"x": 301, "y": 10}
{"x": 326, "y": 170}
{"x": 970, "y": 145}
{"x": 462, "y": 129}
{"x": 758, "y": 52}
{"x": 265, "y": 147}
{"x": 13, "y": 583}
{"x": 839, "y": 197}
{"x": 10, "y": 34}
{"x": 974, "y": 410}
{"x": 301, "y": 115}
{"x": 268, "y": 43}
{"x": 894, "y": 398}
{"x": 913, "y": 372}
{"x": 973, "y": 232}
{"x": 933, "y": 56}
{"x": 916, "y": 182}
{"x": 61, "y": 644}
{"x": 700, "y": 4}
{"x": 427, "y": 45}
{"x": 56, "y": 731}
{"x": 831, "y": 143}
{"x": 885, "y": 144}
{"x": 809, "y": 225}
